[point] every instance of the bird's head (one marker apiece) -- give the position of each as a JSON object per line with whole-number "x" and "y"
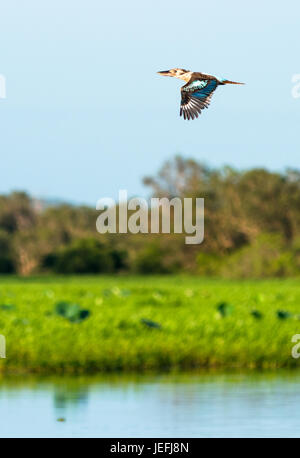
{"x": 175, "y": 72}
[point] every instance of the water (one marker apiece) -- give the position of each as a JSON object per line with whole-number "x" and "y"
{"x": 188, "y": 405}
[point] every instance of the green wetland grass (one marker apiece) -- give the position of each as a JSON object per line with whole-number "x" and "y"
{"x": 101, "y": 324}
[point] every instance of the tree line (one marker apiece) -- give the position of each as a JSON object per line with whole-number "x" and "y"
{"x": 252, "y": 228}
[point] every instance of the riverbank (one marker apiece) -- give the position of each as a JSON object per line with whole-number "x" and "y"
{"x": 101, "y": 324}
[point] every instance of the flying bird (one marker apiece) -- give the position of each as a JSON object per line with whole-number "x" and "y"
{"x": 197, "y": 92}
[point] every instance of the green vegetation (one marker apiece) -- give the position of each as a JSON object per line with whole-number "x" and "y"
{"x": 89, "y": 324}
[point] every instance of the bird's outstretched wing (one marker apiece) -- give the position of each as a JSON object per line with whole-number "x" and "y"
{"x": 195, "y": 97}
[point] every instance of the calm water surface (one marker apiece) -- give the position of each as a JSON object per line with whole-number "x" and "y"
{"x": 189, "y": 405}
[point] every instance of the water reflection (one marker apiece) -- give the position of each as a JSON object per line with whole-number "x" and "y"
{"x": 173, "y": 405}
{"x": 76, "y": 397}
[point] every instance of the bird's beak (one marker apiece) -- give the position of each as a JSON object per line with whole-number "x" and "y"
{"x": 164, "y": 73}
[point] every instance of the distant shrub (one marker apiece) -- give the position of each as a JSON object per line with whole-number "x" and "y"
{"x": 7, "y": 265}
{"x": 86, "y": 256}
{"x": 120, "y": 259}
{"x": 153, "y": 260}
{"x": 267, "y": 256}
{"x": 209, "y": 264}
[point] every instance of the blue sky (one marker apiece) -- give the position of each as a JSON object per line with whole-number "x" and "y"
{"x": 86, "y": 114}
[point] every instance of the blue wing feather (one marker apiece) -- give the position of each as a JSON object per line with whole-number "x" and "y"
{"x": 205, "y": 87}
{"x": 196, "y": 96}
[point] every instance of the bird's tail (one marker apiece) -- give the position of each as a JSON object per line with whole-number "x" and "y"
{"x": 230, "y": 82}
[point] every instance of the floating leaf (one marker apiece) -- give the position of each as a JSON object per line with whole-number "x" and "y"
{"x": 125, "y": 292}
{"x": 177, "y": 302}
{"x": 106, "y": 292}
{"x": 67, "y": 309}
{"x": 7, "y": 307}
{"x": 150, "y": 323}
{"x": 224, "y": 309}
{"x": 189, "y": 293}
{"x": 83, "y": 314}
{"x": 120, "y": 292}
{"x": 158, "y": 297}
{"x": 282, "y": 314}
{"x": 61, "y": 419}
{"x": 116, "y": 291}
{"x": 123, "y": 324}
{"x": 72, "y": 312}
{"x": 260, "y": 298}
{"x": 256, "y": 314}
{"x": 21, "y": 321}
